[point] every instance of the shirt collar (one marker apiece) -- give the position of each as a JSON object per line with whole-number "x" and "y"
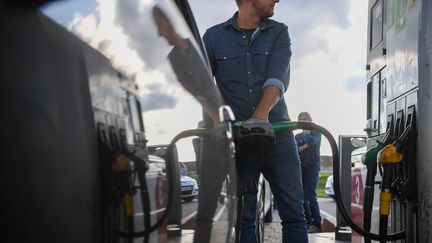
{"x": 264, "y": 25}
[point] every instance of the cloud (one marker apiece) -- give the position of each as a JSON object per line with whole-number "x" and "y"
{"x": 138, "y": 25}
{"x": 307, "y": 21}
{"x": 334, "y": 12}
{"x": 124, "y": 31}
{"x": 156, "y": 101}
{"x": 98, "y": 29}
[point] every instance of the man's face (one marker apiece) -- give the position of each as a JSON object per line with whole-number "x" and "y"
{"x": 303, "y": 119}
{"x": 264, "y": 8}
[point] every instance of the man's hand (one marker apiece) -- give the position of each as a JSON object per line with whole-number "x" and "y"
{"x": 256, "y": 135}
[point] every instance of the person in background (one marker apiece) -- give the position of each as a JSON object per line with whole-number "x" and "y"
{"x": 309, "y": 143}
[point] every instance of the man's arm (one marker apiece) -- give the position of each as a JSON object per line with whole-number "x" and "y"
{"x": 269, "y": 99}
{"x": 278, "y": 66}
{"x": 278, "y": 74}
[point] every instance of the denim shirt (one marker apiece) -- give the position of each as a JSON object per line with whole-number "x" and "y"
{"x": 310, "y": 157}
{"x": 243, "y": 68}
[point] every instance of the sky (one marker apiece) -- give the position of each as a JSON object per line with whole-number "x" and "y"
{"x": 328, "y": 76}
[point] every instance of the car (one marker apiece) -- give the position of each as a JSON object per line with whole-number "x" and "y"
{"x": 189, "y": 188}
{"x": 329, "y": 187}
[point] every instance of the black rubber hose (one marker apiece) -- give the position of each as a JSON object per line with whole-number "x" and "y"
{"x": 367, "y": 208}
{"x": 145, "y": 200}
{"x": 336, "y": 178}
{"x": 383, "y": 228}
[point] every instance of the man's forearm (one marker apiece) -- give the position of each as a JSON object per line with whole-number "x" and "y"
{"x": 303, "y": 147}
{"x": 271, "y": 95}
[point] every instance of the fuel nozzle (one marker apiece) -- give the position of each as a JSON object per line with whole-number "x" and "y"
{"x": 370, "y": 160}
{"x": 387, "y": 157}
{"x": 390, "y": 155}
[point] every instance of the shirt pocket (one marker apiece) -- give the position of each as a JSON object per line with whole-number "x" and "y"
{"x": 228, "y": 64}
{"x": 260, "y": 59}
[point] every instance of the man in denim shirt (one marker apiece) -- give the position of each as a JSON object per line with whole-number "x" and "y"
{"x": 250, "y": 59}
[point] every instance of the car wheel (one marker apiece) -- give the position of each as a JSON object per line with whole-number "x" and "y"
{"x": 188, "y": 199}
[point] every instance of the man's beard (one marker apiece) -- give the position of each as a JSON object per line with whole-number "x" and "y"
{"x": 262, "y": 12}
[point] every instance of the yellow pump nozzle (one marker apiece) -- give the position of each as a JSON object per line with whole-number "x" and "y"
{"x": 389, "y": 155}
{"x": 122, "y": 163}
{"x": 385, "y": 200}
{"x": 128, "y": 204}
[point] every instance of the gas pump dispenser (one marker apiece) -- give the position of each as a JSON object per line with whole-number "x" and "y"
{"x": 398, "y": 72}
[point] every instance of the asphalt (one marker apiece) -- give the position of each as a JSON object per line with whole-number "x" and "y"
{"x": 273, "y": 231}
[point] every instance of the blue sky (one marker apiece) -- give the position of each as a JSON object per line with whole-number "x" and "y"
{"x": 328, "y": 77}
{"x": 64, "y": 11}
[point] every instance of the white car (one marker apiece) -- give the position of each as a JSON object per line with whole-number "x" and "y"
{"x": 329, "y": 188}
{"x": 189, "y": 188}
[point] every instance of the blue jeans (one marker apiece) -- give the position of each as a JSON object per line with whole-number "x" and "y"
{"x": 311, "y": 207}
{"x": 282, "y": 170}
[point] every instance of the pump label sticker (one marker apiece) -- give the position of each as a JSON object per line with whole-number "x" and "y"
{"x": 396, "y": 13}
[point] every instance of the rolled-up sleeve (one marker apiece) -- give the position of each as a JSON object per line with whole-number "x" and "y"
{"x": 278, "y": 69}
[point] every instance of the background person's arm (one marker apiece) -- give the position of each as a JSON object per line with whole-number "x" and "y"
{"x": 312, "y": 138}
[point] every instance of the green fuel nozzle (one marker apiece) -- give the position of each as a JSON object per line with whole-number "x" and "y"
{"x": 370, "y": 159}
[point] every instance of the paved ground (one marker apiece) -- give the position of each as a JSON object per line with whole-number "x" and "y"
{"x": 273, "y": 234}
{"x": 273, "y": 230}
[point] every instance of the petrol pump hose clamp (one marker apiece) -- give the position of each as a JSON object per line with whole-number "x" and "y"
{"x": 256, "y": 135}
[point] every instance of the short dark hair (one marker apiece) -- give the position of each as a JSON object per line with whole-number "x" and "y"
{"x": 239, "y": 2}
{"x": 305, "y": 115}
